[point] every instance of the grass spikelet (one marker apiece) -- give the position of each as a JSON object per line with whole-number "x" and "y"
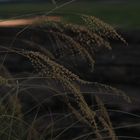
{"x": 105, "y": 119}
{"x": 85, "y": 113}
{"x": 80, "y": 34}
{"x": 50, "y": 68}
{"x": 102, "y": 28}
{"x": 85, "y": 37}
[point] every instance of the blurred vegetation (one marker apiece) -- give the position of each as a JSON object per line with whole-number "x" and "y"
{"x": 64, "y": 40}
{"x": 50, "y": 64}
{"x": 120, "y": 14}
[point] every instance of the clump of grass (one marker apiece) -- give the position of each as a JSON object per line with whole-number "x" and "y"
{"x": 75, "y": 40}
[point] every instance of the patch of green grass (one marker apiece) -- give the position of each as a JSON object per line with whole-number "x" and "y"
{"x": 124, "y": 14}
